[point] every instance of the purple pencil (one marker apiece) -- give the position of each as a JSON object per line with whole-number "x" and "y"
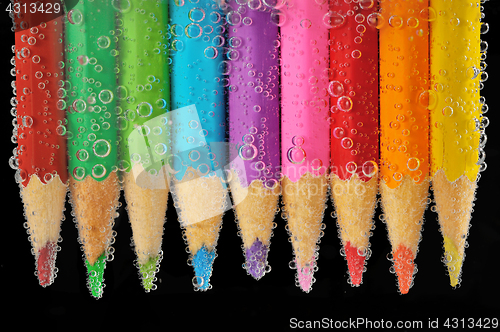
{"x": 253, "y": 84}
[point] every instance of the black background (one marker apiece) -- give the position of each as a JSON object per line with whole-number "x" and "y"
{"x": 237, "y": 301}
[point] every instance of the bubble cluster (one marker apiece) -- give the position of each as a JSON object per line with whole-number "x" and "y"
{"x": 304, "y": 204}
{"x": 247, "y": 57}
{"x": 94, "y": 206}
{"x": 40, "y": 146}
{"x": 255, "y": 207}
{"x": 458, "y": 124}
{"x": 252, "y": 81}
{"x": 148, "y": 271}
{"x": 456, "y": 86}
{"x": 147, "y": 197}
{"x": 355, "y": 202}
{"x": 405, "y": 94}
{"x": 89, "y": 87}
{"x": 353, "y": 90}
{"x": 304, "y": 89}
{"x": 95, "y": 277}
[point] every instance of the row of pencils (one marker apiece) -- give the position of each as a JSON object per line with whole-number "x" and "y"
{"x": 230, "y": 104}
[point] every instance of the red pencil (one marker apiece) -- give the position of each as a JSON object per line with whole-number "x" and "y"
{"x": 354, "y": 126}
{"x": 40, "y": 156}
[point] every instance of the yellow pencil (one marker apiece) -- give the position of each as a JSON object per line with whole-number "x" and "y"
{"x": 457, "y": 154}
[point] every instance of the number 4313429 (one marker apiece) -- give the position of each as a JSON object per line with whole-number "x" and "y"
{"x": 485, "y": 323}
{"x": 35, "y": 7}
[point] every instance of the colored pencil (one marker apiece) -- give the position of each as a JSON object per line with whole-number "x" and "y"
{"x": 144, "y": 101}
{"x": 457, "y": 133}
{"x": 254, "y": 128}
{"x": 92, "y": 135}
{"x": 40, "y": 156}
{"x": 198, "y": 130}
{"x": 354, "y": 134}
{"x": 404, "y": 128}
{"x": 305, "y": 128}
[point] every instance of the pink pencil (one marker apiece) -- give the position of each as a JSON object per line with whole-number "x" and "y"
{"x": 305, "y": 129}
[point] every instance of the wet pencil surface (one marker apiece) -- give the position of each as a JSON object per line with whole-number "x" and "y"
{"x": 457, "y": 124}
{"x": 405, "y": 98}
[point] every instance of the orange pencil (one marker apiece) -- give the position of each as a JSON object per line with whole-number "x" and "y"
{"x": 404, "y": 125}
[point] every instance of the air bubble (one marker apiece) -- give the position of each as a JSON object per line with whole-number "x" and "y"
{"x": 103, "y": 42}
{"x": 101, "y": 148}
{"x": 333, "y": 20}
{"x": 79, "y": 173}
{"x": 338, "y": 132}
{"x": 75, "y": 16}
{"x": 366, "y": 4}
{"x": 305, "y": 23}
{"x": 428, "y": 99}
{"x": 428, "y": 14}
{"x": 98, "y": 171}
{"x": 296, "y": 155}
{"x": 369, "y": 168}
{"x": 351, "y": 167}
{"x": 344, "y": 103}
{"x": 375, "y": 20}
{"x": 211, "y": 52}
{"x": 106, "y": 96}
{"x": 193, "y": 30}
{"x": 396, "y": 21}
{"x": 335, "y": 88}
{"x": 82, "y": 155}
{"x": 233, "y": 18}
{"x": 248, "y": 152}
{"x": 413, "y": 164}
{"x": 144, "y": 109}
{"x": 447, "y": 111}
{"x": 160, "y": 148}
{"x": 346, "y": 143}
{"x": 27, "y": 121}
{"x": 356, "y": 54}
{"x": 413, "y": 22}
{"x": 196, "y": 14}
{"x": 79, "y": 105}
{"x": 316, "y": 164}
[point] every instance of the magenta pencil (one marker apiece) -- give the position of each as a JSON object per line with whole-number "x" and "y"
{"x": 305, "y": 129}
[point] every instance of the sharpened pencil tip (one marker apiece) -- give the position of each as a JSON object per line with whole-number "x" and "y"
{"x": 453, "y": 261}
{"x": 95, "y": 278}
{"x": 404, "y": 268}
{"x": 45, "y": 264}
{"x": 256, "y": 259}
{"x": 355, "y": 263}
{"x": 305, "y": 277}
{"x": 147, "y": 272}
{"x": 203, "y": 262}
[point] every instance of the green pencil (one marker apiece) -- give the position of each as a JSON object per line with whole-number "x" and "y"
{"x": 143, "y": 100}
{"x": 91, "y": 66}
